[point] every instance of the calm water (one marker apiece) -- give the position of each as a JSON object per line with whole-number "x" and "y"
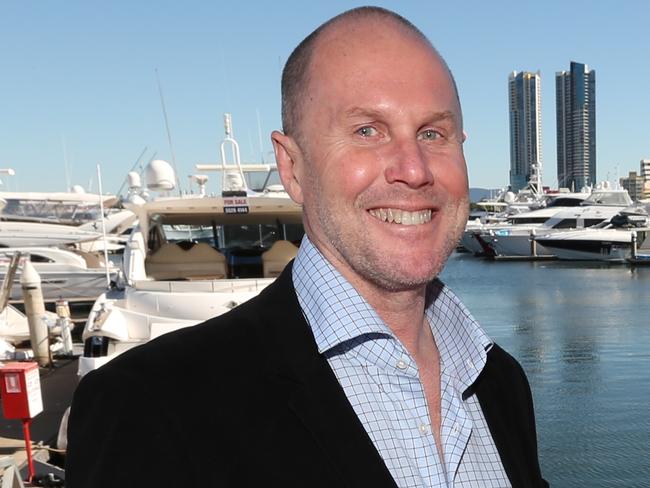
{"x": 582, "y": 333}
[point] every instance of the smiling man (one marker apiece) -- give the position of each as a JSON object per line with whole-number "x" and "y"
{"x": 357, "y": 367}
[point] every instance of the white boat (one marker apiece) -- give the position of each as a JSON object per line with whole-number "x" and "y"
{"x": 23, "y": 234}
{"x": 193, "y": 257}
{"x": 72, "y": 208}
{"x": 510, "y": 208}
{"x": 516, "y": 239}
{"x": 625, "y": 238}
{"x": 478, "y": 235}
{"x": 59, "y": 219}
{"x": 15, "y": 327}
{"x": 68, "y": 274}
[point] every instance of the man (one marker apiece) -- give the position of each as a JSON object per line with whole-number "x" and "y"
{"x": 357, "y": 367}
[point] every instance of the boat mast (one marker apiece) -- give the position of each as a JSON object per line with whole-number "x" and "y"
{"x": 169, "y": 135}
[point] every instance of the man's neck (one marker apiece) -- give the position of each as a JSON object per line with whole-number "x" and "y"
{"x": 401, "y": 311}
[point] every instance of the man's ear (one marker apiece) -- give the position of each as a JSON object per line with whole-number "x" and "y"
{"x": 289, "y": 159}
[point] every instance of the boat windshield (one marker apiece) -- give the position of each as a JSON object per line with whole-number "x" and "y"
{"x": 565, "y": 202}
{"x": 609, "y": 198}
{"x": 241, "y": 244}
{"x": 259, "y": 180}
{"x": 229, "y": 237}
{"x": 74, "y": 213}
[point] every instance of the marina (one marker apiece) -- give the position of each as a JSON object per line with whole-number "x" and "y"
{"x": 555, "y": 269}
{"x": 580, "y": 331}
{"x": 577, "y": 327}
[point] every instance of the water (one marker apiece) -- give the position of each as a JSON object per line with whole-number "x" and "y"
{"x": 582, "y": 333}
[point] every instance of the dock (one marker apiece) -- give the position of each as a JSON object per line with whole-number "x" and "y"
{"x": 57, "y": 387}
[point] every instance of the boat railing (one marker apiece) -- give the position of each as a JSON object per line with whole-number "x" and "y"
{"x": 236, "y": 285}
{"x": 232, "y": 170}
{"x": 7, "y": 283}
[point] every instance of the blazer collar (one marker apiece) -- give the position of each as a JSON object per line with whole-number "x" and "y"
{"x": 313, "y": 392}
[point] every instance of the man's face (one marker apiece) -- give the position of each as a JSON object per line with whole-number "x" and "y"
{"x": 381, "y": 169}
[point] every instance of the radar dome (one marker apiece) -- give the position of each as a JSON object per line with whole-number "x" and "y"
{"x": 160, "y": 176}
{"x": 78, "y": 189}
{"x": 509, "y": 197}
{"x": 134, "y": 179}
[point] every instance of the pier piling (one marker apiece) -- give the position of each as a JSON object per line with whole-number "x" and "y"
{"x": 30, "y": 282}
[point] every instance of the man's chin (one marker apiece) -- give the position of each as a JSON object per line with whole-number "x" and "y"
{"x": 405, "y": 278}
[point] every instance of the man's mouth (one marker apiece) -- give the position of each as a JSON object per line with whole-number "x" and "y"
{"x": 403, "y": 217}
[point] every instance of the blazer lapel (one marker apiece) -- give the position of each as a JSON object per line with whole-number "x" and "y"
{"x": 315, "y": 395}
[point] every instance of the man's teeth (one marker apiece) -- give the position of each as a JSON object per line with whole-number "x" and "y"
{"x": 394, "y": 215}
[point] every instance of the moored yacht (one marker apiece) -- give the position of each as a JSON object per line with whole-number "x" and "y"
{"x": 516, "y": 239}
{"x": 626, "y": 237}
{"x": 68, "y": 274}
{"x": 194, "y": 257}
{"x": 59, "y": 218}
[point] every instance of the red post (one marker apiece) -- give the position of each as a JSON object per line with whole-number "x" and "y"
{"x": 28, "y": 446}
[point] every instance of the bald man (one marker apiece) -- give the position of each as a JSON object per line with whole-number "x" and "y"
{"x": 357, "y": 367}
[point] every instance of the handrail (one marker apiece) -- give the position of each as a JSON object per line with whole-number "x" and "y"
{"x": 5, "y": 289}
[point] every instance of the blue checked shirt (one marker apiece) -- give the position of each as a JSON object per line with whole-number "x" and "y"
{"x": 382, "y": 383}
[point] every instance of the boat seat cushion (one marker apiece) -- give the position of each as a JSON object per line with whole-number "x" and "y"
{"x": 277, "y": 257}
{"x": 171, "y": 262}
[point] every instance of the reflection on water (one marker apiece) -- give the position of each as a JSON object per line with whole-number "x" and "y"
{"x": 582, "y": 333}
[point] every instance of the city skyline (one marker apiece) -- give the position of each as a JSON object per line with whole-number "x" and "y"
{"x": 79, "y": 81}
{"x": 575, "y": 101}
{"x": 525, "y": 105}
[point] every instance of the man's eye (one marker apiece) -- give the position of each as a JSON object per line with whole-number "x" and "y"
{"x": 367, "y": 131}
{"x": 430, "y": 135}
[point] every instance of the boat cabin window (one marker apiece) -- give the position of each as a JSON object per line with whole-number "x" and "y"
{"x": 566, "y": 202}
{"x": 37, "y": 258}
{"x": 528, "y": 220}
{"x": 34, "y": 258}
{"x": 566, "y": 224}
{"x": 241, "y": 244}
{"x": 590, "y": 222}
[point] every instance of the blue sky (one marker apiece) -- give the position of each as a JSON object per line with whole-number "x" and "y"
{"x": 81, "y": 75}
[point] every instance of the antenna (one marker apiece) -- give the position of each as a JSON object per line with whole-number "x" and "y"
{"x": 68, "y": 185}
{"x": 169, "y": 135}
{"x": 101, "y": 209}
{"x": 259, "y": 134}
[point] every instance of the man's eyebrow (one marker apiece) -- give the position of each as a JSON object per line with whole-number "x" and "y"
{"x": 378, "y": 114}
{"x": 444, "y": 115}
{"x": 364, "y": 112}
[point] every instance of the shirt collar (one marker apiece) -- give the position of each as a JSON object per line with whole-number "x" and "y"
{"x": 462, "y": 342}
{"x": 334, "y": 309}
{"x": 336, "y": 313}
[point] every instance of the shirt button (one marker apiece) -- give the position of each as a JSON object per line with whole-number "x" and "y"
{"x": 401, "y": 364}
{"x": 456, "y": 428}
{"x": 424, "y": 429}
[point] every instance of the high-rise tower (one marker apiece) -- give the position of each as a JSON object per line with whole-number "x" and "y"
{"x": 575, "y": 92}
{"x": 525, "y": 101}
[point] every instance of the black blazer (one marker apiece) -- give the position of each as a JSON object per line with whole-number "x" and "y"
{"x": 245, "y": 400}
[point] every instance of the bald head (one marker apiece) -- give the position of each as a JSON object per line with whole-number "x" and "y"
{"x": 297, "y": 72}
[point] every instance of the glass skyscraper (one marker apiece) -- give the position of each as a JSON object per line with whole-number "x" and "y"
{"x": 575, "y": 98}
{"x": 525, "y": 101}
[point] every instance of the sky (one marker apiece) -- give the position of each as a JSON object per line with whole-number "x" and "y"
{"x": 78, "y": 80}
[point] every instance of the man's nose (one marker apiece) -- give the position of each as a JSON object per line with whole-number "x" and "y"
{"x": 408, "y": 164}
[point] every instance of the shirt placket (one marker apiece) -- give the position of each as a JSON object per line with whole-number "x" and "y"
{"x": 456, "y": 425}
{"x": 415, "y": 431}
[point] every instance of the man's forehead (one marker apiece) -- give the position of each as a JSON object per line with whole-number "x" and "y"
{"x": 367, "y": 32}
{"x": 355, "y": 53}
